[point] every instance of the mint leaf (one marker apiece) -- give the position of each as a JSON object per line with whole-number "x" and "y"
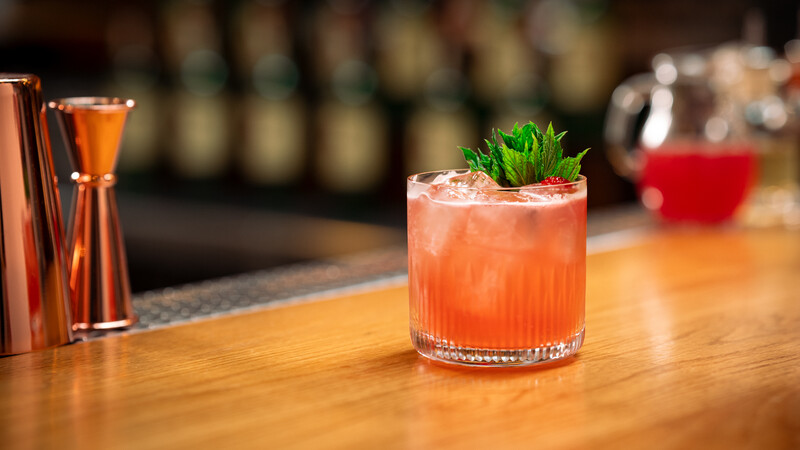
{"x": 518, "y": 168}
{"x": 510, "y": 140}
{"x": 551, "y": 153}
{"x": 569, "y": 168}
{"x": 496, "y": 156}
{"x": 526, "y": 156}
{"x": 473, "y": 160}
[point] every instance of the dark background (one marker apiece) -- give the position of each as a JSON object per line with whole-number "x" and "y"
{"x": 186, "y": 224}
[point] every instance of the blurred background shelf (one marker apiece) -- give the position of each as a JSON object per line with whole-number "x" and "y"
{"x": 172, "y": 242}
{"x": 272, "y": 132}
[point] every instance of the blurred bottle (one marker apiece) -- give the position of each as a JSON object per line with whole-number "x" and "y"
{"x": 776, "y": 198}
{"x": 440, "y": 123}
{"x": 522, "y": 100}
{"x": 407, "y": 47}
{"x": 505, "y": 68}
{"x": 273, "y": 117}
{"x": 351, "y": 139}
{"x": 758, "y": 81}
{"x": 131, "y": 40}
{"x": 199, "y": 136}
{"x": 578, "y": 39}
{"x": 442, "y": 118}
{"x": 500, "y": 52}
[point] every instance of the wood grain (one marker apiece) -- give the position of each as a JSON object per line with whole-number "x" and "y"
{"x": 692, "y": 342}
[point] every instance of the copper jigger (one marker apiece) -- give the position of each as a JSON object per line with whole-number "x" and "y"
{"x": 34, "y": 302}
{"x": 99, "y": 284}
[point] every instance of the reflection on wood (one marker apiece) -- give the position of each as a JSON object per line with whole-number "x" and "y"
{"x": 692, "y": 341}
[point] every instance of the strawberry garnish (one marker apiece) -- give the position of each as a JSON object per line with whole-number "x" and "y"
{"x": 550, "y": 181}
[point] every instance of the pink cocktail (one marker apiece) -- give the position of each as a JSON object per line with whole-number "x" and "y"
{"x": 497, "y": 276}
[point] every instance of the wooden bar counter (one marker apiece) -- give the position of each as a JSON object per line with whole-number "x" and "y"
{"x": 692, "y": 341}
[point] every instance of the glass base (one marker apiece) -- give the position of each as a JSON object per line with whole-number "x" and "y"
{"x": 440, "y": 350}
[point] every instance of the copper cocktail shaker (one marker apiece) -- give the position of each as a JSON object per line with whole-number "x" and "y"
{"x": 34, "y": 294}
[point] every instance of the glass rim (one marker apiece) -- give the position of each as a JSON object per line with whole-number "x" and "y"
{"x": 581, "y": 180}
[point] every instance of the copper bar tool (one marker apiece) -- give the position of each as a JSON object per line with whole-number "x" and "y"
{"x": 34, "y": 295}
{"x": 99, "y": 284}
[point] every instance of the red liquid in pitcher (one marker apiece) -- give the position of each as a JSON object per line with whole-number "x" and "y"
{"x": 697, "y": 182}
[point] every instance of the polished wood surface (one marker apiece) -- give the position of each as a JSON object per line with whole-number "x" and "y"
{"x": 693, "y": 341}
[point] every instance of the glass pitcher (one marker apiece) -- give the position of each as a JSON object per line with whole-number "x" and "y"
{"x": 682, "y": 143}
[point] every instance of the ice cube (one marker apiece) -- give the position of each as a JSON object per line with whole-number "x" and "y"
{"x": 512, "y": 195}
{"x": 511, "y": 225}
{"x": 415, "y": 189}
{"x": 536, "y": 195}
{"x": 435, "y": 225}
{"x": 442, "y": 177}
{"x": 477, "y": 180}
{"x": 465, "y": 187}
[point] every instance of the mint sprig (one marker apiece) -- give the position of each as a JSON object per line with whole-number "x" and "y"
{"x": 526, "y": 156}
